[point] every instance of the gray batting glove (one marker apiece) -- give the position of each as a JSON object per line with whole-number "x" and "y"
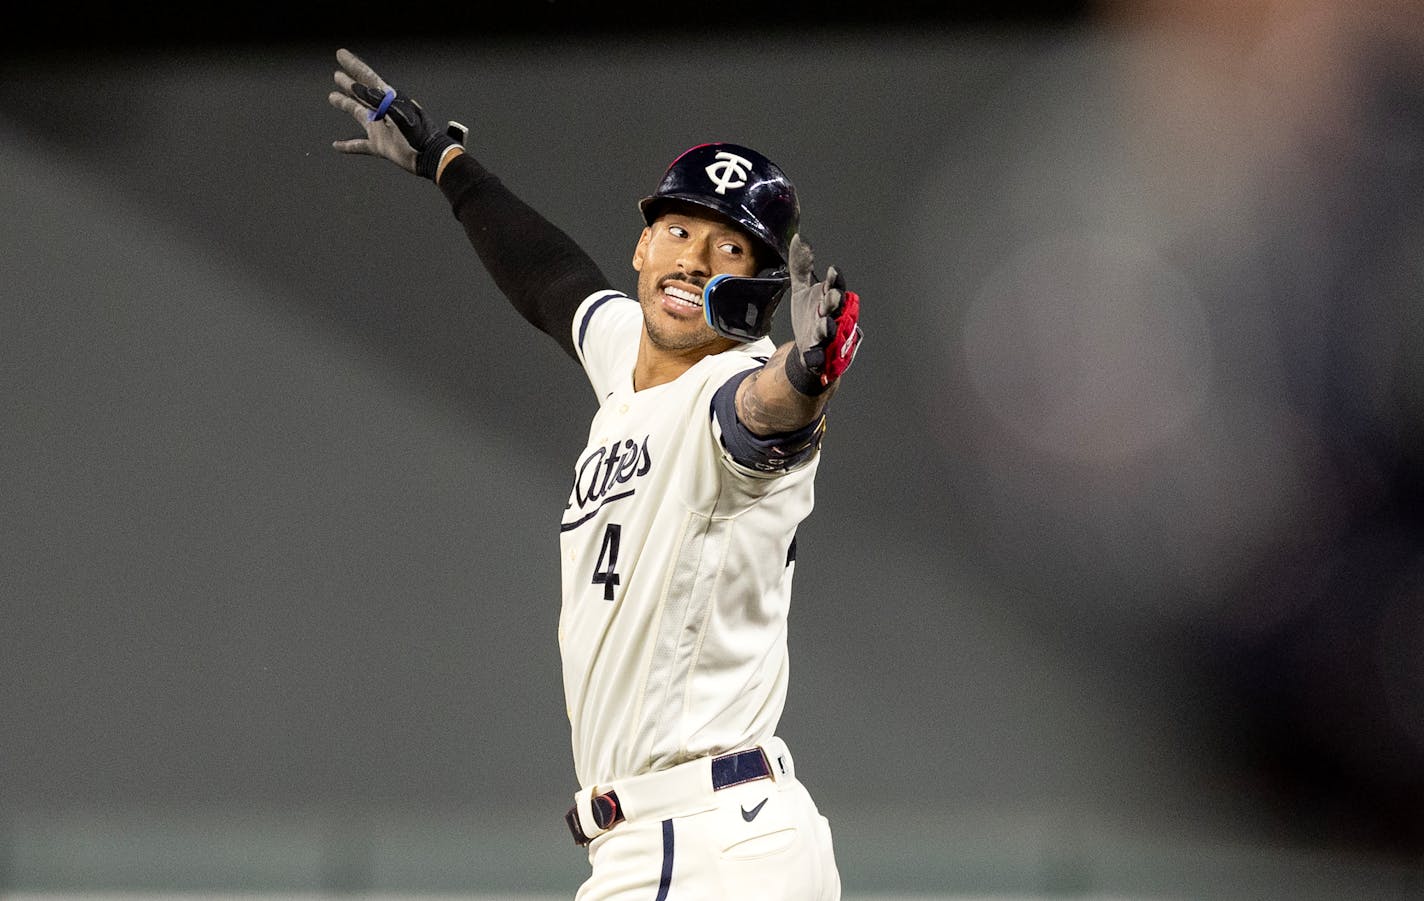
{"x": 396, "y": 127}
{"x": 825, "y": 320}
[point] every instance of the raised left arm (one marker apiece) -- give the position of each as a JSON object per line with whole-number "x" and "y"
{"x": 791, "y": 390}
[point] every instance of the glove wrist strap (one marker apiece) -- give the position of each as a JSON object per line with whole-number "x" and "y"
{"x": 802, "y": 378}
{"x": 427, "y": 158}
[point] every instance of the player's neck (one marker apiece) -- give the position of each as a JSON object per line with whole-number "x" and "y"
{"x": 659, "y": 365}
{"x": 659, "y": 368}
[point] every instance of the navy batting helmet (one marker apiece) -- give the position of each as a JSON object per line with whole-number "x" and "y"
{"x": 737, "y": 182}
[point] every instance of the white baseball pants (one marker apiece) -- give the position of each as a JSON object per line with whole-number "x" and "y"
{"x": 762, "y": 840}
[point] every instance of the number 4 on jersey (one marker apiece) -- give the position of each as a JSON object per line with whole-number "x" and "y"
{"x": 603, "y": 571}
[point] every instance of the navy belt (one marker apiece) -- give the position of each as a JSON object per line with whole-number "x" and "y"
{"x": 727, "y": 770}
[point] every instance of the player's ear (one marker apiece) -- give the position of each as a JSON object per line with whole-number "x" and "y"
{"x": 641, "y": 250}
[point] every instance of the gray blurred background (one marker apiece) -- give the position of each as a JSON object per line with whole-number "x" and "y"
{"x": 1115, "y": 584}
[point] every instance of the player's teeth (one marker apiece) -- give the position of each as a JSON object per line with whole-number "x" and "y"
{"x": 684, "y": 296}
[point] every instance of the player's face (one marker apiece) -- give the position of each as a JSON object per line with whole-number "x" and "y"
{"x": 676, "y": 256}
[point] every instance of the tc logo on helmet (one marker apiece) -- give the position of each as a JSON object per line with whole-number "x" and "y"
{"x": 731, "y": 172}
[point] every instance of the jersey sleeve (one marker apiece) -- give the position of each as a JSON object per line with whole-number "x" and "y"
{"x": 605, "y": 339}
{"x": 754, "y": 454}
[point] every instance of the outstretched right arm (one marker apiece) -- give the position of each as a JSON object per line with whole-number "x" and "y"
{"x": 540, "y": 269}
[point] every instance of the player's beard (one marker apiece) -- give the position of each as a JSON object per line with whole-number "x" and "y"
{"x": 665, "y": 332}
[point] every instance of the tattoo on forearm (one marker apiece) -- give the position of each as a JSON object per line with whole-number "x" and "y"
{"x": 768, "y": 405}
{"x": 763, "y": 416}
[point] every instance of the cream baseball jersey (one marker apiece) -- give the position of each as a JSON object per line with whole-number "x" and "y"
{"x": 677, "y": 557}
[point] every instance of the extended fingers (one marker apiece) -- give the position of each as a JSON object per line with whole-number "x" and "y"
{"x": 358, "y": 70}
{"x": 833, "y": 289}
{"x": 354, "y": 145}
{"x": 344, "y": 82}
{"x": 349, "y": 104}
{"x": 358, "y": 112}
{"x": 800, "y": 260}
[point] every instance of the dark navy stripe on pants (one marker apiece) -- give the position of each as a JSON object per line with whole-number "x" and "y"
{"x": 666, "y": 883}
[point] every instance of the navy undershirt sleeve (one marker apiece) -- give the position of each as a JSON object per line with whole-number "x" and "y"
{"x": 772, "y": 453}
{"x": 536, "y": 265}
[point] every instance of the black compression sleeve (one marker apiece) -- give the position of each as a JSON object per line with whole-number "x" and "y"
{"x": 540, "y": 269}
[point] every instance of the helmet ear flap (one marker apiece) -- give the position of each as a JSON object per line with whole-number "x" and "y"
{"x": 740, "y": 307}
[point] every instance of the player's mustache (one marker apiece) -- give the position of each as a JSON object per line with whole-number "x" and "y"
{"x": 694, "y": 280}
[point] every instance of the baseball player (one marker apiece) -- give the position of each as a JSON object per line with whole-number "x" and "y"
{"x": 678, "y": 541}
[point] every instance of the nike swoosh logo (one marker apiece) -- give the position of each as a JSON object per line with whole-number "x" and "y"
{"x": 750, "y": 815}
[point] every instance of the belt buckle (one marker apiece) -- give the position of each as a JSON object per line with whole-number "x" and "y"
{"x": 739, "y": 767}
